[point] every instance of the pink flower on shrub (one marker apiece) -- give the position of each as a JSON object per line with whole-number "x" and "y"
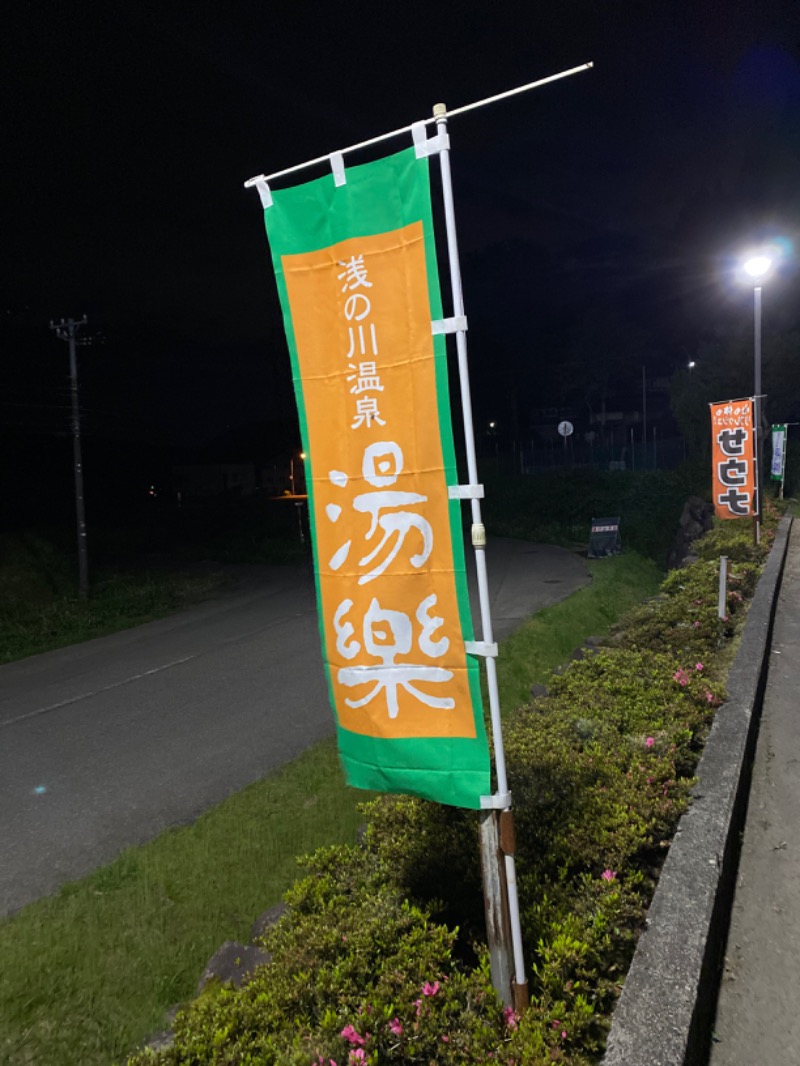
{"x": 396, "y": 1026}
{"x": 418, "y": 1006}
{"x": 356, "y": 1057}
{"x": 709, "y": 696}
{"x": 609, "y": 875}
{"x": 445, "y": 1038}
{"x": 511, "y": 1017}
{"x": 681, "y": 676}
{"x": 698, "y": 666}
{"x": 649, "y": 742}
{"x": 696, "y": 625}
{"x": 352, "y": 1036}
{"x": 429, "y": 989}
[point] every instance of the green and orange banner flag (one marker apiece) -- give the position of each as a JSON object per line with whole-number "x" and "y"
{"x": 357, "y": 277}
{"x": 733, "y": 458}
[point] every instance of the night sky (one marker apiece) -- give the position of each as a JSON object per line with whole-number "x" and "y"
{"x": 597, "y": 214}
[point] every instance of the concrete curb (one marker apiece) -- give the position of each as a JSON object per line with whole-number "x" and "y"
{"x": 665, "y": 1012}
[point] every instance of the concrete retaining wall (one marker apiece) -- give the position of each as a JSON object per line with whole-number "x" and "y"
{"x": 665, "y": 1012}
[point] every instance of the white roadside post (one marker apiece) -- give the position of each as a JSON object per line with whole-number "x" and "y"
{"x": 722, "y": 600}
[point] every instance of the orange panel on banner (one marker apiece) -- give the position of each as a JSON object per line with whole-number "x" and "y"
{"x": 733, "y": 463}
{"x": 390, "y": 613}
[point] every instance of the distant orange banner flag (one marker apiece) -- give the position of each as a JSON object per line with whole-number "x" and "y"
{"x": 733, "y": 458}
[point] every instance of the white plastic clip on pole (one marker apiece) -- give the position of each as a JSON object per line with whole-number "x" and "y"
{"x": 264, "y": 193}
{"x": 337, "y": 166}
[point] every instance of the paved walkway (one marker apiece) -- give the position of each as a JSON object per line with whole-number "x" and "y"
{"x": 758, "y": 1013}
{"x": 523, "y": 579}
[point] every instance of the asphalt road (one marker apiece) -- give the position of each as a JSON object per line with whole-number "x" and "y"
{"x": 105, "y": 744}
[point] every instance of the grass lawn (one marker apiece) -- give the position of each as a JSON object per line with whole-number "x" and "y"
{"x": 87, "y": 974}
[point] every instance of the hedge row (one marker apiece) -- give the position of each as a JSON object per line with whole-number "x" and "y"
{"x": 379, "y": 958}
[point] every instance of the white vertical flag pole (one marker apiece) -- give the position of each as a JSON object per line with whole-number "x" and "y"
{"x": 496, "y": 822}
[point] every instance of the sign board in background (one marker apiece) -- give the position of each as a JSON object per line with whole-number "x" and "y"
{"x": 778, "y": 453}
{"x": 733, "y": 458}
{"x": 604, "y": 538}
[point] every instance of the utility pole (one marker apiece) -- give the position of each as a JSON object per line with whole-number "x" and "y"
{"x": 644, "y": 417}
{"x": 66, "y": 330}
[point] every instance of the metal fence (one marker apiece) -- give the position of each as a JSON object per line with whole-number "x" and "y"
{"x": 530, "y": 457}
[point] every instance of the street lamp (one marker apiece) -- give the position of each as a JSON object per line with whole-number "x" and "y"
{"x": 302, "y": 456}
{"x": 756, "y": 268}
{"x": 691, "y": 364}
{"x": 493, "y": 433}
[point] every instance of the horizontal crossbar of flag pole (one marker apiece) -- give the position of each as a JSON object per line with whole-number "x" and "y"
{"x": 407, "y": 129}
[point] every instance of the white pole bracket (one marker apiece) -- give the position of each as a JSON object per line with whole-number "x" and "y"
{"x": 263, "y": 192}
{"x": 449, "y": 325}
{"x": 337, "y": 166}
{"x": 425, "y": 145}
{"x": 465, "y": 492}
{"x": 481, "y": 647}
{"x": 500, "y": 801}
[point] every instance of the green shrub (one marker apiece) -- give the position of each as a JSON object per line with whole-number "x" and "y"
{"x": 558, "y": 506}
{"x": 378, "y": 959}
{"x": 361, "y": 975}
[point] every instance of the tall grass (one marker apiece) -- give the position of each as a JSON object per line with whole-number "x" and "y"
{"x": 40, "y": 609}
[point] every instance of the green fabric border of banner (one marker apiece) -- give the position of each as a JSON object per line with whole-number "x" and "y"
{"x": 377, "y": 198}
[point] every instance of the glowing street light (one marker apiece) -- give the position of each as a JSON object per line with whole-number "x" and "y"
{"x": 755, "y": 269}
{"x": 757, "y": 266}
{"x": 302, "y": 457}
